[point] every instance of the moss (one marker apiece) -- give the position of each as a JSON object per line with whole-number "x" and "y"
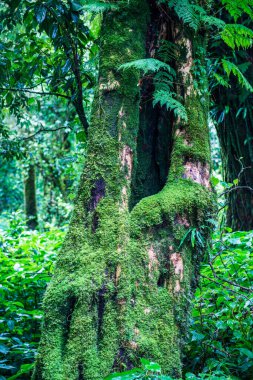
{"x": 80, "y": 338}
{"x": 110, "y": 302}
{"x": 181, "y": 196}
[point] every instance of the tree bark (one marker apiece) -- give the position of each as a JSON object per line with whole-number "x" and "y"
{"x": 236, "y": 136}
{"x": 122, "y": 284}
{"x": 30, "y": 198}
{"x": 81, "y": 335}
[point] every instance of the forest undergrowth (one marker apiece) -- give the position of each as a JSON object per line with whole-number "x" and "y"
{"x": 220, "y": 337}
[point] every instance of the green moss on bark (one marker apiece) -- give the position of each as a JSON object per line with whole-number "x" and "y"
{"x": 80, "y": 338}
{"x": 118, "y": 292}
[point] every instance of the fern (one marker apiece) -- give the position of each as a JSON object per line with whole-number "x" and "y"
{"x": 243, "y": 67}
{"x": 230, "y": 67}
{"x": 164, "y": 94}
{"x": 194, "y": 15}
{"x": 221, "y": 80}
{"x": 237, "y": 8}
{"x": 163, "y": 82}
{"x": 167, "y": 99}
{"x": 148, "y": 65}
{"x": 168, "y": 51}
{"x": 186, "y": 12}
{"x": 237, "y": 36}
{"x": 213, "y": 21}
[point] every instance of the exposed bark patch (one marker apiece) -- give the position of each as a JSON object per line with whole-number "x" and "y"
{"x": 121, "y": 113}
{"x": 133, "y": 345}
{"x": 182, "y": 220}
{"x": 177, "y": 262}
{"x": 185, "y": 69}
{"x": 117, "y": 275}
{"x": 97, "y": 193}
{"x": 109, "y": 84}
{"x": 126, "y": 159}
{"x": 136, "y": 331}
{"x": 182, "y": 133}
{"x": 197, "y": 172}
{"x": 153, "y": 261}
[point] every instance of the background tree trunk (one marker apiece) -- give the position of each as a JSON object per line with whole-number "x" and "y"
{"x": 122, "y": 283}
{"x": 236, "y": 136}
{"x": 30, "y": 198}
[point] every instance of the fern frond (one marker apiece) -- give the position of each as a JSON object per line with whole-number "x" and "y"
{"x": 186, "y": 12}
{"x": 237, "y": 36}
{"x": 163, "y": 80}
{"x": 237, "y": 8}
{"x": 166, "y": 99}
{"x": 243, "y": 67}
{"x": 230, "y": 67}
{"x": 221, "y": 80}
{"x": 148, "y": 65}
{"x": 213, "y": 21}
{"x": 168, "y": 51}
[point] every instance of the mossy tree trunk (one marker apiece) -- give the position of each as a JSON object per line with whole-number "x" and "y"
{"x": 122, "y": 285}
{"x": 235, "y": 133}
{"x": 30, "y": 197}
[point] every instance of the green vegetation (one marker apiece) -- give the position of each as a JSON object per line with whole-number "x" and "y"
{"x": 220, "y": 336}
{"x": 26, "y": 259}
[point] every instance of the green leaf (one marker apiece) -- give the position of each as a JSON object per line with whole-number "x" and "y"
{"x": 40, "y": 13}
{"x": 246, "y": 352}
{"x": 221, "y": 80}
{"x": 67, "y": 66}
{"x": 237, "y": 36}
{"x": 197, "y": 336}
{"x": 230, "y": 67}
{"x": 25, "y": 368}
{"x": 165, "y": 98}
{"x": 6, "y": 367}
{"x": 127, "y": 375}
{"x": 215, "y": 181}
{"x": 4, "y": 349}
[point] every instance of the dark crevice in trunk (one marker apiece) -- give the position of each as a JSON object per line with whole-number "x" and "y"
{"x": 154, "y": 145}
{"x": 162, "y": 280}
{"x": 154, "y": 141}
{"x": 71, "y": 303}
{"x": 122, "y": 362}
{"x": 97, "y": 193}
{"x": 80, "y": 372}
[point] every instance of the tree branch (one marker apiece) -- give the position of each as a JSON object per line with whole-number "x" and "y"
{"x": 236, "y": 188}
{"x": 42, "y": 130}
{"x": 225, "y": 287}
{"x": 35, "y": 92}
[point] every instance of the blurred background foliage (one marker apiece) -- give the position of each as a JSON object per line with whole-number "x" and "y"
{"x": 48, "y": 68}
